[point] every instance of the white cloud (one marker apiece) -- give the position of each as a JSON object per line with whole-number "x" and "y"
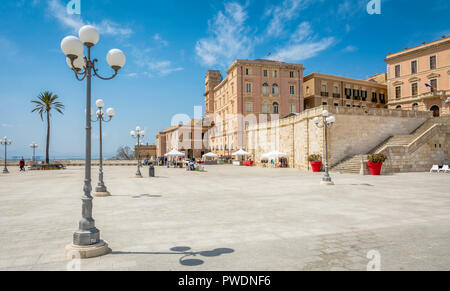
{"x": 5, "y": 125}
{"x": 296, "y": 52}
{"x": 160, "y": 40}
{"x": 228, "y": 40}
{"x": 75, "y": 22}
{"x": 282, "y": 14}
{"x": 162, "y": 68}
{"x": 350, "y": 49}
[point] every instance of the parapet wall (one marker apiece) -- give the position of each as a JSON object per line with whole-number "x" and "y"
{"x": 356, "y": 131}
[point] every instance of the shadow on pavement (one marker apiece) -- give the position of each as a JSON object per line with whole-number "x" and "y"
{"x": 186, "y": 253}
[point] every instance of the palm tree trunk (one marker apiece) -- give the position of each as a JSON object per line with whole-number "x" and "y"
{"x": 47, "y": 159}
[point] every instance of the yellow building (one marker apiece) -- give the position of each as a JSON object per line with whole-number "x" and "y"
{"x": 419, "y": 77}
{"x": 323, "y": 89}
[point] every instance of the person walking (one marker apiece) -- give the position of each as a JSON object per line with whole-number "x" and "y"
{"x": 22, "y": 165}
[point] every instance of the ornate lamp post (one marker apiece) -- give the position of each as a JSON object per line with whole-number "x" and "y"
{"x": 325, "y": 122}
{"x": 86, "y": 240}
{"x": 34, "y": 146}
{"x": 100, "y": 190}
{"x": 138, "y": 134}
{"x": 6, "y": 143}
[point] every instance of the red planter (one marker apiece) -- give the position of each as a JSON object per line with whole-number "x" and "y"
{"x": 375, "y": 168}
{"x": 316, "y": 166}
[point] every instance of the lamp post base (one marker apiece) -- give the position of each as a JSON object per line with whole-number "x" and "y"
{"x": 5, "y": 171}
{"x": 327, "y": 183}
{"x": 138, "y": 176}
{"x": 85, "y": 252}
{"x": 101, "y": 194}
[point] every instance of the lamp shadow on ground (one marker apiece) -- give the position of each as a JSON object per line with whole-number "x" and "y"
{"x": 185, "y": 253}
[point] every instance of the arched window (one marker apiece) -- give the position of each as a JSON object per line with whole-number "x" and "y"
{"x": 435, "y": 110}
{"x": 275, "y": 108}
{"x": 399, "y": 107}
{"x": 265, "y": 108}
{"x": 275, "y": 90}
{"x": 265, "y": 89}
{"x": 415, "y": 106}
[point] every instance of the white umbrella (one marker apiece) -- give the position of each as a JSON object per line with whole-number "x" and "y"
{"x": 210, "y": 155}
{"x": 174, "y": 153}
{"x": 240, "y": 152}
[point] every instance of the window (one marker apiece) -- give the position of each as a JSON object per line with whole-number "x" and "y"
{"x": 265, "y": 89}
{"x": 275, "y": 74}
{"x": 399, "y": 107}
{"x": 247, "y": 71}
{"x": 265, "y": 73}
{"x": 433, "y": 62}
{"x": 336, "y": 104}
{"x": 397, "y": 71}
{"x": 364, "y": 95}
{"x": 324, "y": 103}
{"x": 307, "y": 90}
{"x": 291, "y": 74}
{"x": 292, "y": 90}
{"x": 249, "y": 107}
{"x": 265, "y": 107}
{"x": 374, "y": 97}
{"x": 415, "y": 106}
{"x": 348, "y": 93}
{"x": 414, "y": 67}
{"x": 382, "y": 100}
{"x": 414, "y": 89}
{"x": 434, "y": 85}
{"x": 249, "y": 88}
{"x": 275, "y": 90}
{"x": 275, "y": 108}
{"x": 324, "y": 88}
{"x": 335, "y": 90}
{"x": 292, "y": 108}
{"x": 398, "y": 92}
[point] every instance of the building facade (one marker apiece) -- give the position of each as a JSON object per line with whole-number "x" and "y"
{"x": 252, "y": 88}
{"x": 189, "y": 139}
{"x": 146, "y": 151}
{"x": 419, "y": 78}
{"x": 322, "y": 89}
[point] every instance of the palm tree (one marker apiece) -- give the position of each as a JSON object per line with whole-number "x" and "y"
{"x": 45, "y": 103}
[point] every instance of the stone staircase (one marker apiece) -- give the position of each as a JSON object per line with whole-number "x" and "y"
{"x": 352, "y": 164}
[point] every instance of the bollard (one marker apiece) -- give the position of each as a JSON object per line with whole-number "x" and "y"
{"x": 151, "y": 170}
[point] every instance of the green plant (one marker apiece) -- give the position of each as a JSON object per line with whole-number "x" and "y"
{"x": 377, "y": 158}
{"x": 315, "y": 158}
{"x": 45, "y": 103}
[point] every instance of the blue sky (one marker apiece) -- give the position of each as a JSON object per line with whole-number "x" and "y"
{"x": 171, "y": 44}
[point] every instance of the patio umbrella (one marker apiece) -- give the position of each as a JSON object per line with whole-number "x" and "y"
{"x": 174, "y": 153}
{"x": 210, "y": 155}
{"x": 240, "y": 152}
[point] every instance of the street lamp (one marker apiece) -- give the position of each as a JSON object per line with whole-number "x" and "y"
{"x": 100, "y": 190}
{"x": 86, "y": 240}
{"x": 34, "y": 146}
{"x": 325, "y": 122}
{"x": 6, "y": 143}
{"x": 138, "y": 134}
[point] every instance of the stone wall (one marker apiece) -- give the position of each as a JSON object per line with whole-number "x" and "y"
{"x": 356, "y": 131}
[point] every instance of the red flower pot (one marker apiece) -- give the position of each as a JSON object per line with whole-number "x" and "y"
{"x": 375, "y": 168}
{"x": 316, "y": 166}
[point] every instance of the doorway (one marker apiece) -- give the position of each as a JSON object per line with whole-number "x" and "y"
{"x": 435, "y": 110}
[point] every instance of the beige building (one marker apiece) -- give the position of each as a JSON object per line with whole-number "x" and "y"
{"x": 322, "y": 89}
{"x": 256, "y": 88}
{"x": 419, "y": 77}
{"x": 147, "y": 151}
{"x": 189, "y": 139}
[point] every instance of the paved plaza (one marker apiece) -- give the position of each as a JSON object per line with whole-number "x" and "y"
{"x": 230, "y": 218}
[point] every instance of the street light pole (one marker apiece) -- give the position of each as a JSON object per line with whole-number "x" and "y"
{"x": 86, "y": 240}
{"x": 34, "y": 146}
{"x": 100, "y": 190}
{"x": 6, "y": 143}
{"x": 138, "y": 134}
{"x": 325, "y": 123}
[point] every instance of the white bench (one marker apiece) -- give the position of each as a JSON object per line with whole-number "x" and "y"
{"x": 435, "y": 168}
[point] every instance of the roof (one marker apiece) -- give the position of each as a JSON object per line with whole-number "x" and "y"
{"x": 444, "y": 40}
{"x": 340, "y": 78}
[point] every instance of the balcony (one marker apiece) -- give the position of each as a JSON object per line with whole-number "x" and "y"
{"x": 324, "y": 94}
{"x": 336, "y": 95}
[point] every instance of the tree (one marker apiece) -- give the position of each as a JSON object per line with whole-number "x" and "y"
{"x": 125, "y": 153}
{"x": 47, "y": 101}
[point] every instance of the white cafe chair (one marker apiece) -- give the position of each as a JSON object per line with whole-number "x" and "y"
{"x": 435, "y": 168}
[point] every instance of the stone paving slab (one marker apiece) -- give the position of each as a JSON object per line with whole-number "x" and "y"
{"x": 229, "y": 218}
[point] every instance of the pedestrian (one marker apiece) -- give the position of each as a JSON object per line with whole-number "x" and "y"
{"x": 22, "y": 165}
